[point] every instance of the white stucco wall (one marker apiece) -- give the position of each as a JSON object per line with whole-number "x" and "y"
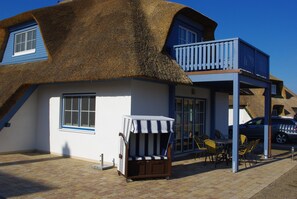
{"x": 244, "y": 116}
{"x": 149, "y": 98}
{"x": 113, "y": 100}
{"x": 221, "y": 112}
{"x": 20, "y": 136}
{"x": 194, "y": 92}
{"x": 37, "y": 125}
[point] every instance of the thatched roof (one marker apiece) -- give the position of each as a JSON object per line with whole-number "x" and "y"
{"x": 89, "y": 40}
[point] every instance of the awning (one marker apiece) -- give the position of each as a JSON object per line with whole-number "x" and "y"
{"x": 151, "y": 124}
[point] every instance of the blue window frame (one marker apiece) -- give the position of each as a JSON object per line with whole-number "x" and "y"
{"x": 78, "y": 111}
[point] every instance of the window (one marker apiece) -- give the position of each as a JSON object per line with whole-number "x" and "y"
{"x": 186, "y": 36}
{"x": 79, "y": 111}
{"x": 273, "y": 89}
{"x": 257, "y": 121}
{"x": 25, "y": 42}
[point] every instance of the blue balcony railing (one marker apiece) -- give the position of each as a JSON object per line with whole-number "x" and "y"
{"x": 226, "y": 54}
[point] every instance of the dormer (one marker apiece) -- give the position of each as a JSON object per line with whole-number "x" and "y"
{"x": 189, "y": 27}
{"x": 24, "y": 44}
{"x": 184, "y": 31}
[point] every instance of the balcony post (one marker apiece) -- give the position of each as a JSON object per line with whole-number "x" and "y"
{"x": 267, "y": 123}
{"x": 236, "y": 53}
{"x": 236, "y": 98}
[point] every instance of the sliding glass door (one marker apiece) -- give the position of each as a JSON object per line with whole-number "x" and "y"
{"x": 189, "y": 121}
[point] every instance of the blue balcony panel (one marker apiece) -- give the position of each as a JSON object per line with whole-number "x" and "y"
{"x": 228, "y": 54}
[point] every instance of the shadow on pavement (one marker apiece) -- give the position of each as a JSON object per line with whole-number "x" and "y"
{"x": 11, "y": 186}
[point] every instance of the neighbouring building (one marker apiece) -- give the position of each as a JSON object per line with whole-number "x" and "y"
{"x": 283, "y": 102}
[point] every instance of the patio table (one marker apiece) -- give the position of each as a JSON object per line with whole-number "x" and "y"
{"x": 226, "y": 145}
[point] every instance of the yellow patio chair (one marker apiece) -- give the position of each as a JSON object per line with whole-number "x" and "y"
{"x": 200, "y": 145}
{"x": 213, "y": 151}
{"x": 251, "y": 152}
{"x": 243, "y": 139}
{"x": 243, "y": 152}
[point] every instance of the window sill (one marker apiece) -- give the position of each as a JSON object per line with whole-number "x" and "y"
{"x": 24, "y": 53}
{"x": 78, "y": 130}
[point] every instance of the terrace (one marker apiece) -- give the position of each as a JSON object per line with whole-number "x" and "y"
{"x": 37, "y": 175}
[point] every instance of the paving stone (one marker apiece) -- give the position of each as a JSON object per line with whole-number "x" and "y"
{"x": 36, "y": 175}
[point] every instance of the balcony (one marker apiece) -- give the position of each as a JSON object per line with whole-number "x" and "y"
{"x": 228, "y": 54}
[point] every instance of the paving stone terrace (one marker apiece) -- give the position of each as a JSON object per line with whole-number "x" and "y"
{"x": 37, "y": 175}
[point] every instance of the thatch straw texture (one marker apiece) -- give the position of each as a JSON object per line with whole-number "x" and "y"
{"x": 89, "y": 40}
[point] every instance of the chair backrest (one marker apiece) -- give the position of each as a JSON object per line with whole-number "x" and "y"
{"x": 210, "y": 145}
{"x": 243, "y": 139}
{"x": 219, "y": 135}
{"x": 199, "y": 142}
{"x": 255, "y": 143}
{"x": 248, "y": 147}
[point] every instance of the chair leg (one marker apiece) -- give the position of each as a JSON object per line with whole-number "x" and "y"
{"x": 245, "y": 158}
{"x": 216, "y": 160}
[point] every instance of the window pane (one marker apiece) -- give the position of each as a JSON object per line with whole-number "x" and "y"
{"x": 75, "y": 118}
{"x": 22, "y": 47}
{"x": 92, "y": 103}
{"x": 17, "y": 48}
{"x": 75, "y": 103}
{"x": 179, "y": 104}
{"x": 85, "y": 103}
{"x": 67, "y": 118}
{"x": 29, "y": 35}
{"x": 67, "y": 103}
{"x": 18, "y": 39}
{"x": 33, "y": 44}
{"x": 84, "y": 119}
{"x": 92, "y": 119}
{"x": 23, "y": 37}
{"x": 29, "y": 45}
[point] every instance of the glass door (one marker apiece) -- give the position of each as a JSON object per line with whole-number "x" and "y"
{"x": 188, "y": 125}
{"x": 189, "y": 121}
{"x": 178, "y": 124}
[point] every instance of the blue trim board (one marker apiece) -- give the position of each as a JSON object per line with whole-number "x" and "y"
{"x": 17, "y": 106}
{"x": 78, "y": 128}
{"x": 212, "y": 113}
{"x": 22, "y": 26}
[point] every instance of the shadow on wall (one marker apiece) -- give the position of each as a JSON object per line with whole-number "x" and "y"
{"x": 66, "y": 150}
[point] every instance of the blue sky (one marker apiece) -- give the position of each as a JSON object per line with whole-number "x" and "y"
{"x": 270, "y": 25}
